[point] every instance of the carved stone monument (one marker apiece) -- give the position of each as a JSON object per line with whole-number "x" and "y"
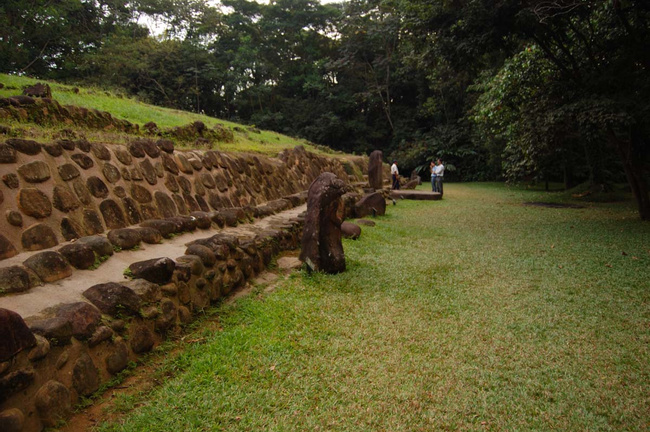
{"x": 322, "y": 249}
{"x": 375, "y": 173}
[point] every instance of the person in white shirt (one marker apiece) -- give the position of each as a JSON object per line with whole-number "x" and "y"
{"x": 439, "y": 171}
{"x": 395, "y": 173}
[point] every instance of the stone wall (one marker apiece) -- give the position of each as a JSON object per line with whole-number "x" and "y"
{"x": 56, "y": 192}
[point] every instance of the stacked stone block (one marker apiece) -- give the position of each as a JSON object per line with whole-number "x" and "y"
{"x": 48, "y": 364}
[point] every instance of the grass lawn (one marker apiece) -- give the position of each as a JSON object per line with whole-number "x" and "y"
{"x": 472, "y": 313}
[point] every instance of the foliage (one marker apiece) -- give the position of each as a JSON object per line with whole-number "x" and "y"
{"x": 523, "y": 90}
{"x": 575, "y": 94}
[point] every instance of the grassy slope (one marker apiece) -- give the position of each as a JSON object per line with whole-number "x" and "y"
{"x": 140, "y": 113}
{"x": 474, "y": 313}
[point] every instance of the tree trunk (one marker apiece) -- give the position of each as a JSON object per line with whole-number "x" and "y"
{"x": 634, "y": 172}
{"x": 568, "y": 177}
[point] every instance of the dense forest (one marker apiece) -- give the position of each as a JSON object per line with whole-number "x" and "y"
{"x": 499, "y": 89}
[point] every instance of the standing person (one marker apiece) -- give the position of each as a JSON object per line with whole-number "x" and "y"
{"x": 395, "y": 173}
{"x": 440, "y": 173}
{"x": 432, "y": 167}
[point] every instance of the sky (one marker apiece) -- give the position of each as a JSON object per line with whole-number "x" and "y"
{"x": 157, "y": 28}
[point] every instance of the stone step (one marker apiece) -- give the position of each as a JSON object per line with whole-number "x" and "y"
{"x": 415, "y": 195}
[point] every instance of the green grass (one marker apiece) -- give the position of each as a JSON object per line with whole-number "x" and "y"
{"x": 130, "y": 109}
{"x": 472, "y": 313}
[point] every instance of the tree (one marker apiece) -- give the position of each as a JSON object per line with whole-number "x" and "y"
{"x": 48, "y": 39}
{"x": 599, "y": 58}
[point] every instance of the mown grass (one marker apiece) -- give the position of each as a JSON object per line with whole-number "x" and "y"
{"x": 473, "y": 313}
{"x": 140, "y": 113}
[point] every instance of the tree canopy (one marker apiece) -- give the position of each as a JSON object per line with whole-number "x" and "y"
{"x": 499, "y": 89}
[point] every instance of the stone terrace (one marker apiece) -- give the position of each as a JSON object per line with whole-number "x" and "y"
{"x": 188, "y": 227}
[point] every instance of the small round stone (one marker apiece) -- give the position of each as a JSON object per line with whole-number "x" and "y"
{"x": 14, "y": 218}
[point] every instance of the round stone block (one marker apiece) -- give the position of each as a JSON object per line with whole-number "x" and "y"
{"x": 148, "y": 172}
{"x": 54, "y": 149}
{"x": 118, "y": 359}
{"x": 101, "y": 245}
{"x": 111, "y": 173}
{"x": 133, "y": 214}
{"x": 113, "y": 214}
{"x": 185, "y": 184}
{"x": 141, "y": 194}
{"x": 141, "y": 340}
{"x": 63, "y": 199}
{"x": 82, "y": 160}
{"x": 38, "y": 237}
{"x": 34, "y": 172}
{"x": 165, "y": 204}
{"x": 53, "y": 403}
{"x": 14, "y": 279}
{"x": 136, "y": 150}
{"x": 11, "y": 180}
{"x": 49, "y": 266}
{"x": 191, "y": 203}
{"x": 83, "y": 317}
{"x": 171, "y": 183}
{"x": 97, "y": 187}
{"x": 180, "y": 204}
{"x": 82, "y": 191}
{"x": 71, "y": 229}
{"x": 165, "y": 145}
{"x": 41, "y": 349}
{"x": 169, "y": 163}
{"x": 68, "y": 171}
{"x": 119, "y": 191}
{"x": 85, "y": 376}
{"x": 150, "y": 148}
{"x": 156, "y": 270}
{"x": 112, "y": 298}
{"x": 12, "y": 420}
{"x": 125, "y": 238}
{"x": 34, "y": 203}
{"x": 28, "y": 147}
{"x": 79, "y": 255}
{"x": 7, "y": 154}
{"x": 15, "y": 336}
{"x": 100, "y": 151}
{"x": 14, "y": 218}
{"x": 123, "y": 155}
{"x": 208, "y": 180}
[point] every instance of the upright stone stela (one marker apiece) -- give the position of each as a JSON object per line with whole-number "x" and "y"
{"x": 375, "y": 174}
{"x": 322, "y": 249}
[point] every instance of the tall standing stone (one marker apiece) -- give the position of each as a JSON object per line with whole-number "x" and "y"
{"x": 375, "y": 173}
{"x": 322, "y": 249}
